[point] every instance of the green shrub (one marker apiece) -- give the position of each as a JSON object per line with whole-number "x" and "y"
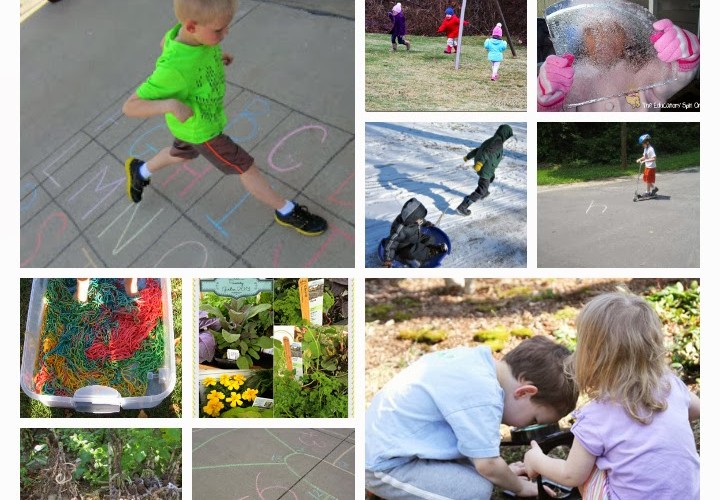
{"x": 679, "y": 310}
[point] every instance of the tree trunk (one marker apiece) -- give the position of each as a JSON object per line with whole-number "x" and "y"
{"x": 115, "y": 446}
{"x": 623, "y": 144}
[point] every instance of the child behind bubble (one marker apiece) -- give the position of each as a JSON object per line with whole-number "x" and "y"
{"x": 614, "y": 63}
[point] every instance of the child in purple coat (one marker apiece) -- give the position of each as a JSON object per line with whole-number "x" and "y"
{"x": 398, "y": 27}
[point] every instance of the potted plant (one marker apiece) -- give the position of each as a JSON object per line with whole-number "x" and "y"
{"x": 241, "y": 329}
{"x": 322, "y": 390}
{"x": 286, "y": 302}
{"x": 232, "y": 396}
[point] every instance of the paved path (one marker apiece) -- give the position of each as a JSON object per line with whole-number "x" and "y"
{"x": 270, "y": 464}
{"x": 597, "y": 224}
{"x": 290, "y": 102}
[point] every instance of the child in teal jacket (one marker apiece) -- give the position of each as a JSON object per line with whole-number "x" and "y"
{"x": 495, "y": 47}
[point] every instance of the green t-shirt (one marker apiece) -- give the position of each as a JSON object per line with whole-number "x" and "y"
{"x": 194, "y": 75}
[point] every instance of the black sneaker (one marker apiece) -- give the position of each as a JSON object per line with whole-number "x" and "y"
{"x": 303, "y": 221}
{"x": 655, "y": 190}
{"x": 135, "y": 183}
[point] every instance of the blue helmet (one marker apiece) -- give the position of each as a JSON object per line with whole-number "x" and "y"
{"x": 449, "y": 11}
{"x": 643, "y": 138}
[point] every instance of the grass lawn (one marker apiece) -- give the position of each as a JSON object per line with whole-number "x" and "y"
{"x": 170, "y": 407}
{"x": 425, "y": 79}
{"x": 556, "y": 173}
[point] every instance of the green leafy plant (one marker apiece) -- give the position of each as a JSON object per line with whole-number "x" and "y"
{"x": 322, "y": 390}
{"x": 245, "y": 325}
{"x": 286, "y": 303}
{"x": 679, "y": 309}
{"x": 316, "y": 395}
{"x": 567, "y": 336}
{"x": 91, "y": 451}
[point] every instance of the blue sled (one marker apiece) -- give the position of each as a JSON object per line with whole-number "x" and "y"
{"x": 438, "y": 236}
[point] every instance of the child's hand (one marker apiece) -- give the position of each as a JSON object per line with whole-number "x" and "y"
{"x": 529, "y": 489}
{"x": 532, "y": 458}
{"x": 555, "y": 80}
{"x": 227, "y": 59}
{"x": 676, "y": 44}
{"x": 181, "y": 111}
{"x": 518, "y": 468}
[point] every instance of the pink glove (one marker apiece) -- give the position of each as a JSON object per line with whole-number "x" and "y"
{"x": 554, "y": 81}
{"x": 676, "y": 44}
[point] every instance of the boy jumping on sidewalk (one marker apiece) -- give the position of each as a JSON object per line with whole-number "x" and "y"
{"x": 188, "y": 87}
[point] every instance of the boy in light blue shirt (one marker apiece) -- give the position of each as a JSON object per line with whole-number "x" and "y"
{"x": 434, "y": 430}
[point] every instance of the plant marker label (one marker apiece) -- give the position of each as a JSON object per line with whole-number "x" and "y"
{"x": 233, "y": 354}
{"x": 315, "y": 292}
{"x": 263, "y": 402}
{"x": 304, "y": 294}
{"x": 236, "y": 288}
{"x": 291, "y": 350}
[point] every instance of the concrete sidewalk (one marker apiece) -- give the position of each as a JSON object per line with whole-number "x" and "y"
{"x": 289, "y": 102}
{"x": 273, "y": 463}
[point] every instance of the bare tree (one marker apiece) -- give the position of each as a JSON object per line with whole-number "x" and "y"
{"x": 424, "y": 16}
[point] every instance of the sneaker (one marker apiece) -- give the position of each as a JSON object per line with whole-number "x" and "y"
{"x": 303, "y": 221}
{"x": 135, "y": 183}
{"x": 655, "y": 190}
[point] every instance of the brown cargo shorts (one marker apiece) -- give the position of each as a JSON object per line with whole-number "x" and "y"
{"x": 221, "y": 151}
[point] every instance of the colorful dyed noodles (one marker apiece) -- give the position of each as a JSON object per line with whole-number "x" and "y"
{"x": 112, "y": 340}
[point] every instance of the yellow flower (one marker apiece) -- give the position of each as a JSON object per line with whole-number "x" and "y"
{"x": 249, "y": 394}
{"x": 209, "y": 381}
{"x": 216, "y": 395}
{"x": 224, "y": 379}
{"x": 240, "y": 378}
{"x": 213, "y": 407}
{"x": 233, "y": 384}
{"x": 234, "y": 399}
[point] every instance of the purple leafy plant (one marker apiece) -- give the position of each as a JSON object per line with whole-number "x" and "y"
{"x": 206, "y": 340}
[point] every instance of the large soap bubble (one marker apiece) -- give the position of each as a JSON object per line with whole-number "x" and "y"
{"x": 610, "y": 40}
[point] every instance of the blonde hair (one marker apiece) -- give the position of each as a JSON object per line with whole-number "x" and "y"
{"x": 620, "y": 354}
{"x": 203, "y": 11}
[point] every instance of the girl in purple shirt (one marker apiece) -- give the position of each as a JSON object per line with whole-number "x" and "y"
{"x": 633, "y": 440}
